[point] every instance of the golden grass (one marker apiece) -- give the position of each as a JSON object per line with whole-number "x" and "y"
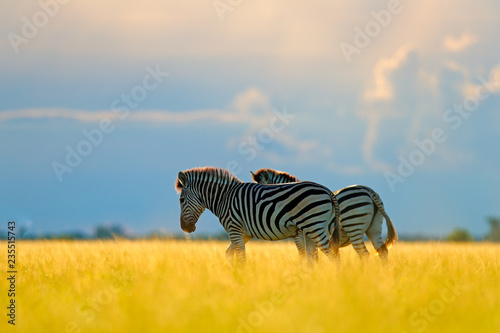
{"x": 179, "y": 286}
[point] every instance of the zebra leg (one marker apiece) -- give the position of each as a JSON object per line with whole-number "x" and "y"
{"x": 230, "y": 251}
{"x": 355, "y": 229}
{"x": 374, "y": 233}
{"x": 322, "y": 242}
{"x": 230, "y": 248}
{"x": 238, "y": 243}
{"x": 356, "y": 237}
{"x": 344, "y": 239}
{"x": 300, "y": 243}
{"x": 359, "y": 246}
{"x": 361, "y": 249}
{"x": 311, "y": 252}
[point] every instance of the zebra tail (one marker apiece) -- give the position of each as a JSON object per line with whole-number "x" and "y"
{"x": 335, "y": 236}
{"x": 392, "y": 235}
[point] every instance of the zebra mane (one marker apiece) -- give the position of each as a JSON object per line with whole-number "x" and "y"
{"x": 208, "y": 174}
{"x": 275, "y": 176}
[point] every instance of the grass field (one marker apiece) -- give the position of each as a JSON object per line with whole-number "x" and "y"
{"x": 187, "y": 286}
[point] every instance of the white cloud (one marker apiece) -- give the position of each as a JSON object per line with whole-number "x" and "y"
{"x": 371, "y": 137}
{"x": 457, "y": 44}
{"x": 251, "y": 108}
{"x": 51, "y": 113}
{"x": 308, "y": 152}
{"x": 137, "y": 116}
{"x": 495, "y": 79}
{"x": 471, "y": 89}
{"x": 292, "y": 40}
{"x": 456, "y": 67}
{"x": 430, "y": 80}
{"x": 381, "y": 89}
{"x": 192, "y": 28}
{"x": 244, "y": 110}
{"x": 186, "y": 28}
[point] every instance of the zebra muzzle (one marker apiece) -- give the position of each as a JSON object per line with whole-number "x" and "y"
{"x": 187, "y": 227}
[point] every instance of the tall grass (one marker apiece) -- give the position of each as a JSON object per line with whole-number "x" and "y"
{"x": 180, "y": 286}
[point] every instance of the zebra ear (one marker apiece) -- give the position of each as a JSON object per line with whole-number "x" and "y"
{"x": 183, "y": 179}
{"x": 253, "y": 175}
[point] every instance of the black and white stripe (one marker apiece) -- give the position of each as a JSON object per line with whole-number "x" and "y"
{"x": 361, "y": 211}
{"x": 250, "y": 210}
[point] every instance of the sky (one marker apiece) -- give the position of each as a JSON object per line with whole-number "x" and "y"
{"x": 102, "y": 104}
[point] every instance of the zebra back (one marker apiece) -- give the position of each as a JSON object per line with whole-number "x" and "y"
{"x": 350, "y": 194}
{"x": 267, "y": 176}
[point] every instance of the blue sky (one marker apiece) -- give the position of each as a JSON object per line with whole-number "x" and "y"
{"x": 165, "y": 86}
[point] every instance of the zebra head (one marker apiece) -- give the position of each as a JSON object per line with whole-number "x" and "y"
{"x": 261, "y": 177}
{"x": 270, "y": 176}
{"x": 191, "y": 205}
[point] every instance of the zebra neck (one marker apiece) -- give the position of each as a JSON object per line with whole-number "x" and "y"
{"x": 213, "y": 196}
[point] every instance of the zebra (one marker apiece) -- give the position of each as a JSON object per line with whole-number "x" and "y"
{"x": 250, "y": 210}
{"x": 361, "y": 211}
